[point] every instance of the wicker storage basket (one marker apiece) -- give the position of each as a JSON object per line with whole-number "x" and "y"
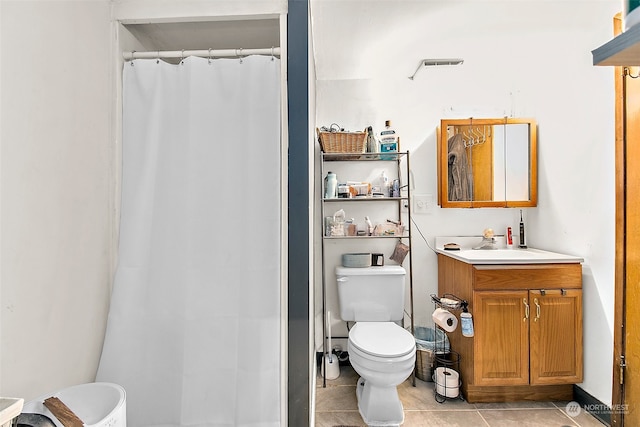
{"x": 342, "y": 142}
{"x": 424, "y": 364}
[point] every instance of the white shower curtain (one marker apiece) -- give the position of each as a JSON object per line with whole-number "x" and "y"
{"x": 193, "y": 332}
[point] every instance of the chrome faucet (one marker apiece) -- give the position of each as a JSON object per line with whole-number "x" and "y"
{"x": 488, "y": 240}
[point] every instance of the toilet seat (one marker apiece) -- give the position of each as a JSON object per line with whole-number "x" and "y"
{"x": 382, "y": 339}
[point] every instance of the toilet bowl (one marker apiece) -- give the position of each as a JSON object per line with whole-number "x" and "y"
{"x": 380, "y": 351}
{"x": 96, "y": 404}
{"x": 384, "y": 355}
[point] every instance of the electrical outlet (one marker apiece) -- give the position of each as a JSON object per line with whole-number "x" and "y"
{"x": 423, "y": 203}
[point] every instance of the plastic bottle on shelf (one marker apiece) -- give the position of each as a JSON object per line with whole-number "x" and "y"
{"x": 372, "y": 143}
{"x": 384, "y": 184}
{"x": 388, "y": 138}
{"x": 369, "y": 226}
{"x": 331, "y": 186}
{"x": 395, "y": 188}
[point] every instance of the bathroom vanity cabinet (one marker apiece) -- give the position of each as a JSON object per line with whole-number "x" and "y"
{"x": 528, "y": 328}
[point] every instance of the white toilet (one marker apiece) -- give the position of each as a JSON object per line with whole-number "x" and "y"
{"x": 98, "y": 404}
{"x": 380, "y": 351}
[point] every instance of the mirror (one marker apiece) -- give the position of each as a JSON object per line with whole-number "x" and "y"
{"x": 487, "y": 163}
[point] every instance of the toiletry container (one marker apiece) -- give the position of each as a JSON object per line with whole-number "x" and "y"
{"x": 384, "y": 184}
{"x": 466, "y": 322}
{"x": 389, "y": 139}
{"x": 372, "y": 143}
{"x": 331, "y": 186}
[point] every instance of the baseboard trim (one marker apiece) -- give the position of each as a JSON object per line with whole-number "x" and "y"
{"x": 592, "y": 405}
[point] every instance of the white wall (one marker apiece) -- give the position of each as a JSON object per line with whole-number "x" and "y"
{"x": 56, "y": 194}
{"x": 523, "y": 59}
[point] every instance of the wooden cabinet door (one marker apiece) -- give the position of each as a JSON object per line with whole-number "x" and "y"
{"x": 556, "y": 336}
{"x": 501, "y": 343}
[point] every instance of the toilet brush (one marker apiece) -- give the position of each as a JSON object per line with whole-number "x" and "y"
{"x": 330, "y": 362}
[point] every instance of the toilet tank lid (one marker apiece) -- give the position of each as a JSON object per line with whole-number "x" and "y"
{"x": 384, "y": 270}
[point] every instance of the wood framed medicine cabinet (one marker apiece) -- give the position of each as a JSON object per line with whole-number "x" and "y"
{"x": 490, "y": 162}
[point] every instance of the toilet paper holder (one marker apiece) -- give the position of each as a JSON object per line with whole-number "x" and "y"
{"x": 449, "y": 302}
{"x": 447, "y": 387}
{"x": 445, "y": 319}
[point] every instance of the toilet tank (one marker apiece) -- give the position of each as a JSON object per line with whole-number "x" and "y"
{"x": 371, "y": 294}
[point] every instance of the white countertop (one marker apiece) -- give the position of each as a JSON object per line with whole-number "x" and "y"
{"x": 10, "y": 408}
{"x": 500, "y": 255}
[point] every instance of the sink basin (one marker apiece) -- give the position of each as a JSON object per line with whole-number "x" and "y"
{"x": 514, "y": 254}
{"x": 508, "y": 256}
{"x": 10, "y": 408}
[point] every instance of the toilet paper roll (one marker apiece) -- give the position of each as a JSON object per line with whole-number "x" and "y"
{"x": 445, "y": 319}
{"x": 447, "y": 382}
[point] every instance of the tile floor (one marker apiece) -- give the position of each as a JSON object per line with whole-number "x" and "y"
{"x": 336, "y": 405}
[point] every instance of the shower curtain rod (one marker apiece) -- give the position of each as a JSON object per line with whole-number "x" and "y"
{"x": 207, "y": 53}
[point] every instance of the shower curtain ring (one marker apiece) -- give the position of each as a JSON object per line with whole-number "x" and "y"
{"x": 182, "y": 57}
{"x": 209, "y": 56}
{"x": 133, "y": 54}
{"x": 239, "y": 55}
{"x": 158, "y": 58}
{"x": 272, "y": 56}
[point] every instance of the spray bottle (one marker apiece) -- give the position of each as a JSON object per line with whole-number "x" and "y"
{"x": 466, "y": 321}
